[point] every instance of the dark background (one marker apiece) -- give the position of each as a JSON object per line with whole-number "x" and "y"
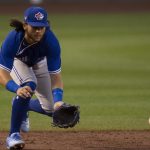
{"x": 66, "y": 6}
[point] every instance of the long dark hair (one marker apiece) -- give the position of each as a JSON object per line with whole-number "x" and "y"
{"x": 17, "y": 24}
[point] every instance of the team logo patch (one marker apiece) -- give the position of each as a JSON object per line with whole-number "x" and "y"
{"x": 39, "y": 16}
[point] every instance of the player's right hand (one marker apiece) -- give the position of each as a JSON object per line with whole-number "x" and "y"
{"x": 24, "y": 92}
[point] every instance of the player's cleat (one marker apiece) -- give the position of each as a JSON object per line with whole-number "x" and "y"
{"x": 25, "y": 125}
{"x": 14, "y": 142}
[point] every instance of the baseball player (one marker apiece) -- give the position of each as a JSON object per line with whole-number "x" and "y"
{"x": 30, "y": 62}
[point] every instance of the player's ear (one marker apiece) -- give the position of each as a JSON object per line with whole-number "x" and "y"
{"x": 24, "y": 26}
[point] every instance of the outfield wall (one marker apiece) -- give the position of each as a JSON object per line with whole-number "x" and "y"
{"x": 18, "y": 6}
{"x": 57, "y": 1}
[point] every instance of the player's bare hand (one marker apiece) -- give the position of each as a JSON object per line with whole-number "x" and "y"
{"x": 25, "y": 92}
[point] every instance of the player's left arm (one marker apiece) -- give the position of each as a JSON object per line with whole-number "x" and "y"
{"x": 56, "y": 80}
{"x": 54, "y": 68}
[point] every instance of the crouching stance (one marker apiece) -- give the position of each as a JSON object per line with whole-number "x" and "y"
{"x": 30, "y": 63}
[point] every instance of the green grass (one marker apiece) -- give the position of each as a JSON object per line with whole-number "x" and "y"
{"x": 105, "y": 67}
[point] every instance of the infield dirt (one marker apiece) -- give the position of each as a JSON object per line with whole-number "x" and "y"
{"x": 89, "y": 140}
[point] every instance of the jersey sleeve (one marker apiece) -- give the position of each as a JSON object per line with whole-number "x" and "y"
{"x": 6, "y": 52}
{"x": 53, "y": 54}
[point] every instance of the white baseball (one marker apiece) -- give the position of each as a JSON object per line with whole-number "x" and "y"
{"x": 36, "y": 1}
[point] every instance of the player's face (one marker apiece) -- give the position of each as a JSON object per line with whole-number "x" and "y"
{"x": 33, "y": 34}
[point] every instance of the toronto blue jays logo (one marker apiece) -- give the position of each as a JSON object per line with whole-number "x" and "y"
{"x": 39, "y": 16}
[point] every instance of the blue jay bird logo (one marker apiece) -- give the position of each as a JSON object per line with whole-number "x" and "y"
{"x": 39, "y": 16}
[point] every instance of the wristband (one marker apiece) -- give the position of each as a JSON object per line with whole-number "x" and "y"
{"x": 57, "y": 94}
{"x": 12, "y": 86}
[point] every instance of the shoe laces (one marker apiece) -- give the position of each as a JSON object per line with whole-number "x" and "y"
{"x": 16, "y": 136}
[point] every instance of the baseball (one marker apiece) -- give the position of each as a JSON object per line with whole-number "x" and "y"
{"x": 36, "y": 1}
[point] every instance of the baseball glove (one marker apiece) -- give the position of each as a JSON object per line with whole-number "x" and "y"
{"x": 66, "y": 116}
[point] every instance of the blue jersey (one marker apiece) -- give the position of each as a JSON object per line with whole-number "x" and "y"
{"x": 15, "y": 46}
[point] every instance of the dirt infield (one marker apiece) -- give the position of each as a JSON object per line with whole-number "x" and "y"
{"x": 89, "y": 140}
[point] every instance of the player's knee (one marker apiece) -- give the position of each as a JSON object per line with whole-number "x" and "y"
{"x": 47, "y": 109}
{"x": 31, "y": 84}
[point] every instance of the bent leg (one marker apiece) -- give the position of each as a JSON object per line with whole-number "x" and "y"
{"x": 22, "y": 75}
{"x": 34, "y": 105}
{"x": 43, "y": 91}
{"x": 19, "y": 110}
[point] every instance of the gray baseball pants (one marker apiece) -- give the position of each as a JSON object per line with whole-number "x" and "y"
{"x": 38, "y": 74}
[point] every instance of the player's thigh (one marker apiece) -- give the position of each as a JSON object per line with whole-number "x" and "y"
{"x": 21, "y": 73}
{"x": 43, "y": 90}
